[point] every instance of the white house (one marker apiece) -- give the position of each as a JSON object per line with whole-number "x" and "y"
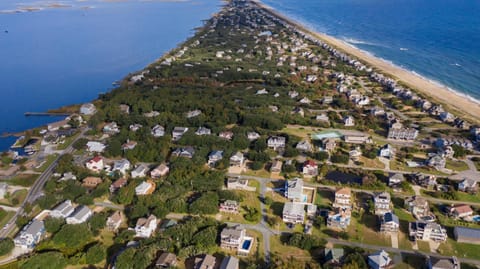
{"x": 253, "y": 136}
{"x": 3, "y": 190}
{"x": 293, "y": 213}
{"x": 145, "y": 227}
{"x": 237, "y": 159}
{"x": 94, "y": 146}
{"x": 160, "y": 171}
{"x": 203, "y": 131}
{"x": 276, "y": 142}
{"x": 30, "y": 235}
{"x": 349, "y": 121}
{"x": 178, "y": 132}
{"x": 80, "y": 215}
{"x": 122, "y": 166}
{"x": 158, "y": 131}
{"x": 379, "y": 260}
{"x": 140, "y": 171}
{"x": 96, "y": 164}
{"x": 63, "y": 210}
{"x": 144, "y": 188}
{"x": 387, "y": 151}
{"x": 88, "y": 109}
{"x": 214, "y": 157}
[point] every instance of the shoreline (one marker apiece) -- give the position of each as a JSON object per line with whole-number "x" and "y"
{"x": 459, "y": 103}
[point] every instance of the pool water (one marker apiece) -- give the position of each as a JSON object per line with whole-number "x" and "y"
{"x": 246, "y": 244}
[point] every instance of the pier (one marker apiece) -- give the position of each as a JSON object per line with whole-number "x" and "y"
{"x": 51, "y": 114}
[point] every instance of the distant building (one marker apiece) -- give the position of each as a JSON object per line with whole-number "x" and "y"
{"x": 276, "y": 142}
{"x": 379, "y": 260}
{"x": 395, "y": 180}
{"x": 228, "y": 135}
{"x": 349, "y": 121}
{"x": 30, "y": 235}
{"x": 293, "y": 212}
{"x": 310, "y": 168}
{"x": 214, "y": 157}
{"x": 118, "y": 184}
{"x": 389, "y": 223}
{"x": 294, "y": 190}
{"x": 235, "y": 183}
{"x": 461, "y": 211}
{"x": 88, "y": 109}
{"x": 80, "y": 215}
{"x": 203, "y": 131}
{"x": 121, "y": 166}
{"x": 468, "y": 185}
{"x": 166, "y": 260}
{"x": 387, "y": 151}
{"x": 334, "y": 256}
{"x": 304, "y": 146}
{"x": 186, "y": 152}
{"x": 418, "y": 206}
{"x": 158, "y": 131}
{"x": 276, "y": 166}
{"x": 145, "y": 227}
{"x": 443, "y": 263}
{"x": 3, "y": 189}
{"x": 466, "y": 235}
{"x": 237, "y": 159}
{"x": 94, "y": 146}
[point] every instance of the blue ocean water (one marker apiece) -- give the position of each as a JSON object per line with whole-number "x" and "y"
{"x": 58, "y": 56}
{"x": 438, "y": 39}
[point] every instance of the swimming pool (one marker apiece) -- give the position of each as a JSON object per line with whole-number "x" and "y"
{"x": 246, "y": 244}
{"x": 476, "y": 218}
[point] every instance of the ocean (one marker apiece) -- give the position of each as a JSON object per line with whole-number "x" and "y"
{"x": 67, "y": 52}
{"x": 437, "y": 39}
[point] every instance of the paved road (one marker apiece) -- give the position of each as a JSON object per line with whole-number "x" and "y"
{"x": 35, "y": 191}
{"x": 110, "y": 205}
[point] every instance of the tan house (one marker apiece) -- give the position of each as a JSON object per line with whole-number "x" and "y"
{"x": 114, "y": 221}
{"x": 91, "y": 182}
{"x": 160, "y": 171}
{"x": 166, "y": 260}
{"x": 276, "y": 166}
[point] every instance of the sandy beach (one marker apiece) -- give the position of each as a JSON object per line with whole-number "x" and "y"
{"x": 453, "y": 101}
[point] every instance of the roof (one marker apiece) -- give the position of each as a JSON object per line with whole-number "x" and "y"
{"x": 344, "y": 191}
{"x": 206, "y": 262}
{"x": 119, "y": 182}
{"x": 64, "y": 207}
{"x": 390, "y": 217}
{"x": 116, "y": 216}
{"x": 310, "y": 163}
{"x": 334, "y": 254}
{"x": 235, "y": 232}
{"x": 167, "y": 259}
{"x": 462, "y": 209}
{"x": 81, "y": 212}
{"x": 229, "y": 263}
{"x": 293, "y": 208}
{"x": 467, "y": 232}
{"x": 442, "y": 263}
{"x": 381, "y": 258}
{"x": 34, "y": 227}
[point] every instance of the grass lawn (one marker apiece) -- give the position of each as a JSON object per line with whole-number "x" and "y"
{"x": 423, "y": 246}
{"x": 456, "y": 165}
{"x": 324, "y": 198}
{"x": 24, "y": 180}
{"x": 250, "y": 199}
{"x": 300, "y": 131}
{"x": 67, "y": 142}
{"x": 18, "y": 195}
{"x": 461, "y": 250}
{"x": 396, "y": 165}
{"x": 375, "y": 163}
{"x": 5, "y": 216}
{"x": 284, "y": 250}
{"x": 365, "y": 230}
{"x": 259, "y": 173}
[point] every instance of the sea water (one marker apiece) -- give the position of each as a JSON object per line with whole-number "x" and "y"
{"x": 67, "y": 52}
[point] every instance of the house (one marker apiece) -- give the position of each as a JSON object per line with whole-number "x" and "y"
{"x": 437, "y": 161}
{"x": 129, "y": 145}
{"x": 118, "y": 184}
{"x": 30, "y": 235}
{"x": 160, "y": 171}
{"x": 88, "y": 109}
{"x": 389, "y": 223}
{"x": 333, "y": 256}
{"x": 158, "y": 131}
{"x": 312, "y": 210}
{"x": 235, "y": 183}
{"x": 140, "y": 171}
{"x": 468, "y": 185}
{"x": 427, "y": 231}
{"x": 145, "y": 188}
{"x": 214, "y": 157}
{"x": 96, "y": 164}
{"x": 253, "y": 136}
{"x": 204, "y": 262}
{"x": 91, "y": 182}
{"x": 382, "y": 203}
{"x": 461, "y": 211}
{"x": 229, "y": 206}
{"x": 111, "y": 128}
{"x": 166, "y": 260}
{"x": 124, "y": 108}
{"x": 232, "y": 237}
{"x": 443, "y": 263}
{"x": 135, "y": 127}
{"x": 262, "y": 91}
{"x": 203, "y": 131}
{"x": 66, "y": 176}
{"x": 396, "y": 180}
{"x": 304, "y": 146}
{"x": 80, "y": 215}
{"x": 322, "y": 117}
{"x": 426, "y": 181}
{"x": 276, "y": 166}
{"x": 349, "y": 121}
{"x": 339, "y": 218}
{"x": 379, "y": 260}
{"x": 237, "y": 159}
{"x": 466, "y": 235}
{"x": 276, "y": 142}
{"x": 229, "y": 262}
{"x": 418, "y": 206}
{"x": 293, "y": 212}
{"x": 398, "y": 132}
{"x": 63, "y": 210}
{"x": 294, "y": 190}
{"x": 193, "y": 113}
{"x": 343, "y": 198}
{"x": 178, "y": 132}
{"x": 446, "y": 117}
{"x": 3, "y": 189}
{"x": 114, "y": 221}
{"x": 228, "y": 135}
{"x": 356, "y": 138}
{"x": 94, "y": 146}
{"x": 310, "y": 168}
{"x": 145, "y": 227}
{"x": 186, "y": 152}
{"x": 387, "y": 151}
{"x": 329, "y": 144}
{"x": 121, "y": 166}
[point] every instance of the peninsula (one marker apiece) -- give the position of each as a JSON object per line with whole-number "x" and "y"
{"x": 254, "y": 144}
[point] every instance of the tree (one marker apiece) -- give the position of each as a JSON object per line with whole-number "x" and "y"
{"x": 340, "y": 158}
{"x": 206, "y": 204}
{"x": 72, "y": 236}
{"x": 125, "y": 259}
{"x": 6, "y": 246}
{"x": 459, "y": 151}
{"x": 97, "y": 222}
{"x": 51, "y": 260}
{"x": 320, "y": 156}
{"x": 46, "y": 201}
{"x": 95, "y": 254}
{"x": 114, "y": 148}
{"x": 53, "y": 225}
{"x": 252, "y": 214}
{"x": 80, "y": 143}
{"x": 256, "y": 165}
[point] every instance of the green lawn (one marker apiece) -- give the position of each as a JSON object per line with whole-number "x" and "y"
{"x": 461, "y": 250}
{"x": 48, "y": 162}
{"x": 24, "y": 180}
{"x": 5, "y": 216}
{"x": 365, "y": 230}
{"x": 15, "y": 198}
{"x": 456, "y": 165}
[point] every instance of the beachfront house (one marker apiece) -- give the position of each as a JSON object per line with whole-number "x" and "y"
{"x": 88, "y": 109}
{"x": 427, "y": 231}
